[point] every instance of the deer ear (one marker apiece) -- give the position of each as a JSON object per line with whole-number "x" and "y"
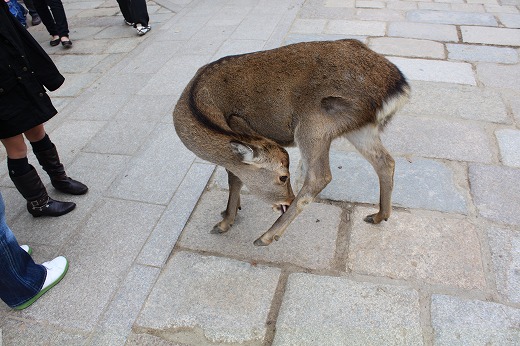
{"x": 244, "y": 152}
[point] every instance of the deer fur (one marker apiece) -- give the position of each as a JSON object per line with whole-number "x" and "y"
{"x": 240, "y": 111}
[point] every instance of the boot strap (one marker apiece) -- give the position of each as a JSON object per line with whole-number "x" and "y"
{"x": 40, "y": 204}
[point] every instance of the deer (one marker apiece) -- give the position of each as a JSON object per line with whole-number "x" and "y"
{"x": 241, "y": 111}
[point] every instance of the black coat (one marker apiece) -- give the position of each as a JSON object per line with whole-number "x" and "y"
{"x": 25, "y": 69}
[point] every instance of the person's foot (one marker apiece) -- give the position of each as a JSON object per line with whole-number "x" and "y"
{"x": 142, "y": 30}
{"x": 47, "y": 206}
{"x": 27, "y": 249}
{"x": 69, "y": 185}
{"x": 36, "y": 20}
{"x": 56, "y": 270}
{"x": 55, "y": 40}
{"x": 129, "y": 23}
{"x": 66, "y": 42}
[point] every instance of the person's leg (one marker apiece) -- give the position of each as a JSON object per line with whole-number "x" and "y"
{"x": 140, "y": 12}
{"x": 60, "y": 18}
{"x": 20, "y": 278}
{"x": 27, "y": 180}
{"x": 36, "y": 20}
{"x": 46, "y": 17}
{"x": 124, "y": 6}
{"x": 48, "y": 157}
{"x": 22, "y": 281}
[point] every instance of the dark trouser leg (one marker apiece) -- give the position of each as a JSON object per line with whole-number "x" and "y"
{"x": 140, "y": 12}
{"x": 30, "y": 6}
{"x": 124, "y": 6}
{"x": 46, "y": 16}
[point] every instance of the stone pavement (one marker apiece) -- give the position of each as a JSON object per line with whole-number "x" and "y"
{"x": 144, "y": 270}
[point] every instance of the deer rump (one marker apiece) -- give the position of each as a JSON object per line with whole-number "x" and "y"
{"x": 240, "y": 111}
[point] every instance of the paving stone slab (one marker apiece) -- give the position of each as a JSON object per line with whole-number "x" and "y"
{"x": 499, "y": 76}
{"x": 104, "y": 250}
{"x": 309, "y": 242}
{"x": 384, "y": 15}
{"x": 308, "y": 26}
{"x": 457, "y": 321}
{"x": 321, "y": 310}
{"x": 495, "y": 192}
{"x": 482, "y": 53}
{"x": 418, "y": 183}
{"x": 155, "y": 186}
{"x": 510, "y": 20}
{"x": 120, "y": 137}
{"x": 201, "y": 300}
{"x": 436, "y": 71}
{"x": 25, "y": 333}
{"x": 355, "y": 28}
{"x": 449, "y": 17}
{"x": 295, "y": 38}
{"x": 426, "y": 31}
{"x": 159, "y": 245}
{"x": 512, "y": 98}
{"x": 439, "y": 138}
{"x": 509, "y": 144}
{"x": 458, "y": 101}
{"x": 424, "y": 248}
{"x": 407, "y": 47}
{"x": 116, "y": 323}
{"x": 505, "y": 253}
{"x": 486, "y": 35}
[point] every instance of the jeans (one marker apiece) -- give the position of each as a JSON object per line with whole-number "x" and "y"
{"x": 20, "y": 278}
{"x": 56, "y": 23}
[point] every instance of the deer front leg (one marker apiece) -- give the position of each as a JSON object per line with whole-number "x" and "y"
{"x": 315, "y": 155}
{"x": 233, "y": 205}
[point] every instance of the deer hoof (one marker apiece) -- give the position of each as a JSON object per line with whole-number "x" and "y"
{"x": 218, "y": 229}
{"x": 261, "y": 242}
{"x": 370, "y": 219}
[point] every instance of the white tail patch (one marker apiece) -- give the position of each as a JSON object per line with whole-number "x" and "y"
{"x": 392, "y": 105}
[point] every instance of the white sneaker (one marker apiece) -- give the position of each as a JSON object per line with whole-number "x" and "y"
{"x": 141, "y": 30}
{"x": 56, "y": 270}
{"x": 27, "y": 249}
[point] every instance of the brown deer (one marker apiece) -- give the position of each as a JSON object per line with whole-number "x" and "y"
{"x": 240, "y": 111}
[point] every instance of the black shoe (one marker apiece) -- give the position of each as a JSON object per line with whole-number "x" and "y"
{"x": 36, "y": 20}
{"x": 50, "y": 161}
{"x": 69, "y": 186}
{"x": 47, "y": 206}
{"x": 66, "y": 44}
{"x": 55, "y": 42}
{"x": 38, "y": 201}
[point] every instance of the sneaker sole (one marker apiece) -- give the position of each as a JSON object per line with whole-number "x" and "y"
{"x": 42, "y": 292}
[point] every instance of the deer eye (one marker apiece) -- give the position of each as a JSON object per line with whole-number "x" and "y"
{"x": 283, "y": 178}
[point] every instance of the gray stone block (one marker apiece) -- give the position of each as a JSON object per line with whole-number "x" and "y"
{"x": 494, "y": 36}
{"x": 295, "y": 38}
{"x": 436, "y": 32}
{"x": 233, "y": 47}
{"x": 116, "y": 323}
{"x": 505, "y": 253}
{"x": 101, "y": 254}
{"x": 407, "y": 47}
{"x": 457, "y": 321}
{"x": 200, "y": 300}
{"x": 147, "y": 108}
{"x": 27, "y": 333}
{"x": 308, "y": 26}
{"x": 439, "y": 138}
{"x": 322, "y": 310}
{"x": 510, "y": 20}
{"x": 458, "y": 101}
{"x": 449, "y": 17}
{"x": 424, "y": 184}
{"x": 512, "y": 98}
{"x": 120, "y": 137}
{"x": 436, "y": 71}
{"x": 499, "y": 76}
{"x": 355, "y": 28}
{"x": 310, "y": 241}
{"x": 100, "y": 106}
{"x": 139, "y": 182}
{"x": 495, "y": 192}
{"x": 75, "y": 83}
{"x": 509, "y": 144}
{"x": 482, "y": 53}
{"x": 165, "y": 234}
{"x": 431, "y": 249}
{"x": 153, "y": 57}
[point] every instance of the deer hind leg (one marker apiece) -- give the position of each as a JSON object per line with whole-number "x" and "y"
{"x": 368, "y": 143}
{"x": 233, "y": 205}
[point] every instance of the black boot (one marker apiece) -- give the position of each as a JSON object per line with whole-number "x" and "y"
{"x": 38, "y": 201}
{"x": 50, "y": 162}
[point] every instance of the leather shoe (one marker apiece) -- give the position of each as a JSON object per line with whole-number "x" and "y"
{"x": 36, "y": 20}
{"x": 69, "y": 185}
{"x": 47, "y": 206}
